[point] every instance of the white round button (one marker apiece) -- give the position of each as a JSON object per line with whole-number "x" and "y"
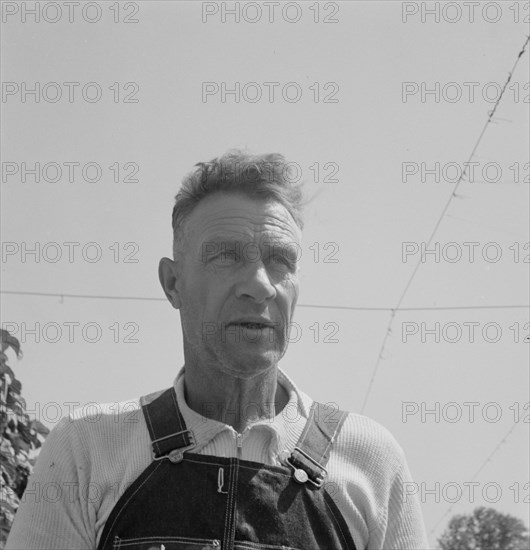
{"x": 300, "y": 475}
{"x": 176, "y": 456}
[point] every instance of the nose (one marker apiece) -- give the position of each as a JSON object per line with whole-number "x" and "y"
{"x": 255, "y": 283}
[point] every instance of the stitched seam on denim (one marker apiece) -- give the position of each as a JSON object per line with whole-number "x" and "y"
{"x": 127, "y": 502}
{"x": 229, "y": 507}
{"x": 334, "y": 434}
{"x": 211, "y": 463}
{"x": 251, "y": 546}
{"x": 323, "y": 454}
{"x": 151, "y": 427}
{"x": 262, "y": 466}
{"x": 182, "y": 424}
{"x": 309, "y": 422}
{"x": 166, "y": 539}
{"x": 330, "y": 442}
{"x": 236, "y": 486}
{"x": 231, "y": 525}
{"x": 286, "y": 473}
{"x": 337, "y": 522}
{"x": 153, "y": 433}
{"x": 229, "y": 504}
{"x": 196, "y": 544}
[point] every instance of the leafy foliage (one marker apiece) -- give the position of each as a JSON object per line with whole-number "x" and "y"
{"x": 21, "y": 438}
{"x": 485, "y": 529}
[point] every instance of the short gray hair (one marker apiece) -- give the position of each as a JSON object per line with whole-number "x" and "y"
{"x": 267, "y": 176}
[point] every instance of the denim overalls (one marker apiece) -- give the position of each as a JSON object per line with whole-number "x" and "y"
{"x": 187, "y": 501}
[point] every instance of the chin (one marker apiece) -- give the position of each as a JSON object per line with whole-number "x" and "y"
{"x": 248, "y": 365}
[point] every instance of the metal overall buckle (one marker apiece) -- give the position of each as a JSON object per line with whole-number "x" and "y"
{"x": 176, "y": 455}
{"x": 301, "y": 475}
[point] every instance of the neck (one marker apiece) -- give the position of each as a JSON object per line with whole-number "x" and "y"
{"x": 237, "y": 402}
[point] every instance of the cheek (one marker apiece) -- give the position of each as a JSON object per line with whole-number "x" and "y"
{"x": 292, "y": 288}
{"x": 289, "y": 295}
{"x": 204, "y": 298}
{"x": 193, "y": 298}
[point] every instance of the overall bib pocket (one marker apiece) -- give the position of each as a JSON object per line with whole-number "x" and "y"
{"x": 240, "y": 545}
{"x": 166, "y": 543}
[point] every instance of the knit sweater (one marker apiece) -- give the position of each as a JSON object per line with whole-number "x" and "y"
{"x": 92, "y": 456}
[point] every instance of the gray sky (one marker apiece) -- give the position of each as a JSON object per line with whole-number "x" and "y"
{"x": 378, "y": 143}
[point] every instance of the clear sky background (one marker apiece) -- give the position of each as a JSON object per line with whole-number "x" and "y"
{"x": 361, "y": 219}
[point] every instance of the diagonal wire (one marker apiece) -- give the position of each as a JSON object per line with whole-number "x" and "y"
{"x": 437, "y": 225}
{"x": 482, "y": 466}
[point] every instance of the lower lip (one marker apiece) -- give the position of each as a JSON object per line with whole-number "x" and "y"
{"x": 255, "y": 329}
{"x": 263, "y": 336}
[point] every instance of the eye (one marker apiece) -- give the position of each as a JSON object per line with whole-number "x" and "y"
{"x": 282, "y": 262}
{"x": 227, "y": 257}
{"x": 280, "y": 259}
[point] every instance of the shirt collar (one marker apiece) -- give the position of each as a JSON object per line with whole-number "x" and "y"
{"x": 285, "y": 428}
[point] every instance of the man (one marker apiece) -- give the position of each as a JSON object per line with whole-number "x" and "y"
{"x": 233, "y": 455}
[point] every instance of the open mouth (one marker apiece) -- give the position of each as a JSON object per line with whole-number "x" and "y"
{"x": 255, "y": 326}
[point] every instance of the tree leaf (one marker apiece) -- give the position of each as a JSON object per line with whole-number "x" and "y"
{"x": 16, "y": 386}
{"x": 5, "y": 368}
{"x": 19, "y": 444}
{"x": 39, "y": 427}
{"x": 9, "y": 341}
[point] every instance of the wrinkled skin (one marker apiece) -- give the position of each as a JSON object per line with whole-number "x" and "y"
{"x": 237, "y": 261}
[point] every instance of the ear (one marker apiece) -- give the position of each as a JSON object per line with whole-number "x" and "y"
{"x": 167, "y": 273}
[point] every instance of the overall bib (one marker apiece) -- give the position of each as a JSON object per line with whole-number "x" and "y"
{"x": 187, "y": 501}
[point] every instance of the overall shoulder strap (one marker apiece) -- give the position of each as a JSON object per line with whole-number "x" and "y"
{"x": 311, "y": 454}
{"x": 165, "y": 423}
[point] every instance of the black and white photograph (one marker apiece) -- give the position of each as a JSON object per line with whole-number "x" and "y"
{"x": 265, "y": 275}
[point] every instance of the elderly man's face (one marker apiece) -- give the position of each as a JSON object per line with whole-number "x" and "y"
{"x": 237, "y": 282}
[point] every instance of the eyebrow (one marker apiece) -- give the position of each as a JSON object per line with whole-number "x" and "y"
{"x": 268, "y": 243}
{"x": 287, "y": 248}
{"x": 226, "y": 243}
{"x": 213, "y": 246}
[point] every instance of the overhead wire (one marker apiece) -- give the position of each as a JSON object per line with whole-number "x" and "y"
{"x": 436, "y": 226}
{"x": 315, "y": 306}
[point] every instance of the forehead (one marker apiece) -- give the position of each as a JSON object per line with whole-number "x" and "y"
{"x": 238, "y": 217}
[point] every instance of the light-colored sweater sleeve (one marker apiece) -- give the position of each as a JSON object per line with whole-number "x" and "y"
{"x": 405, "y": 528}
{"x": 55, "y": 511}
{"x": 369, "y": 475}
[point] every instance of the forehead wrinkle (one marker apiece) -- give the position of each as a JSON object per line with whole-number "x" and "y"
{"x": 259, "y": 219}
{"x": 268, "y": 221}
{"x": 268, "y": 226}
